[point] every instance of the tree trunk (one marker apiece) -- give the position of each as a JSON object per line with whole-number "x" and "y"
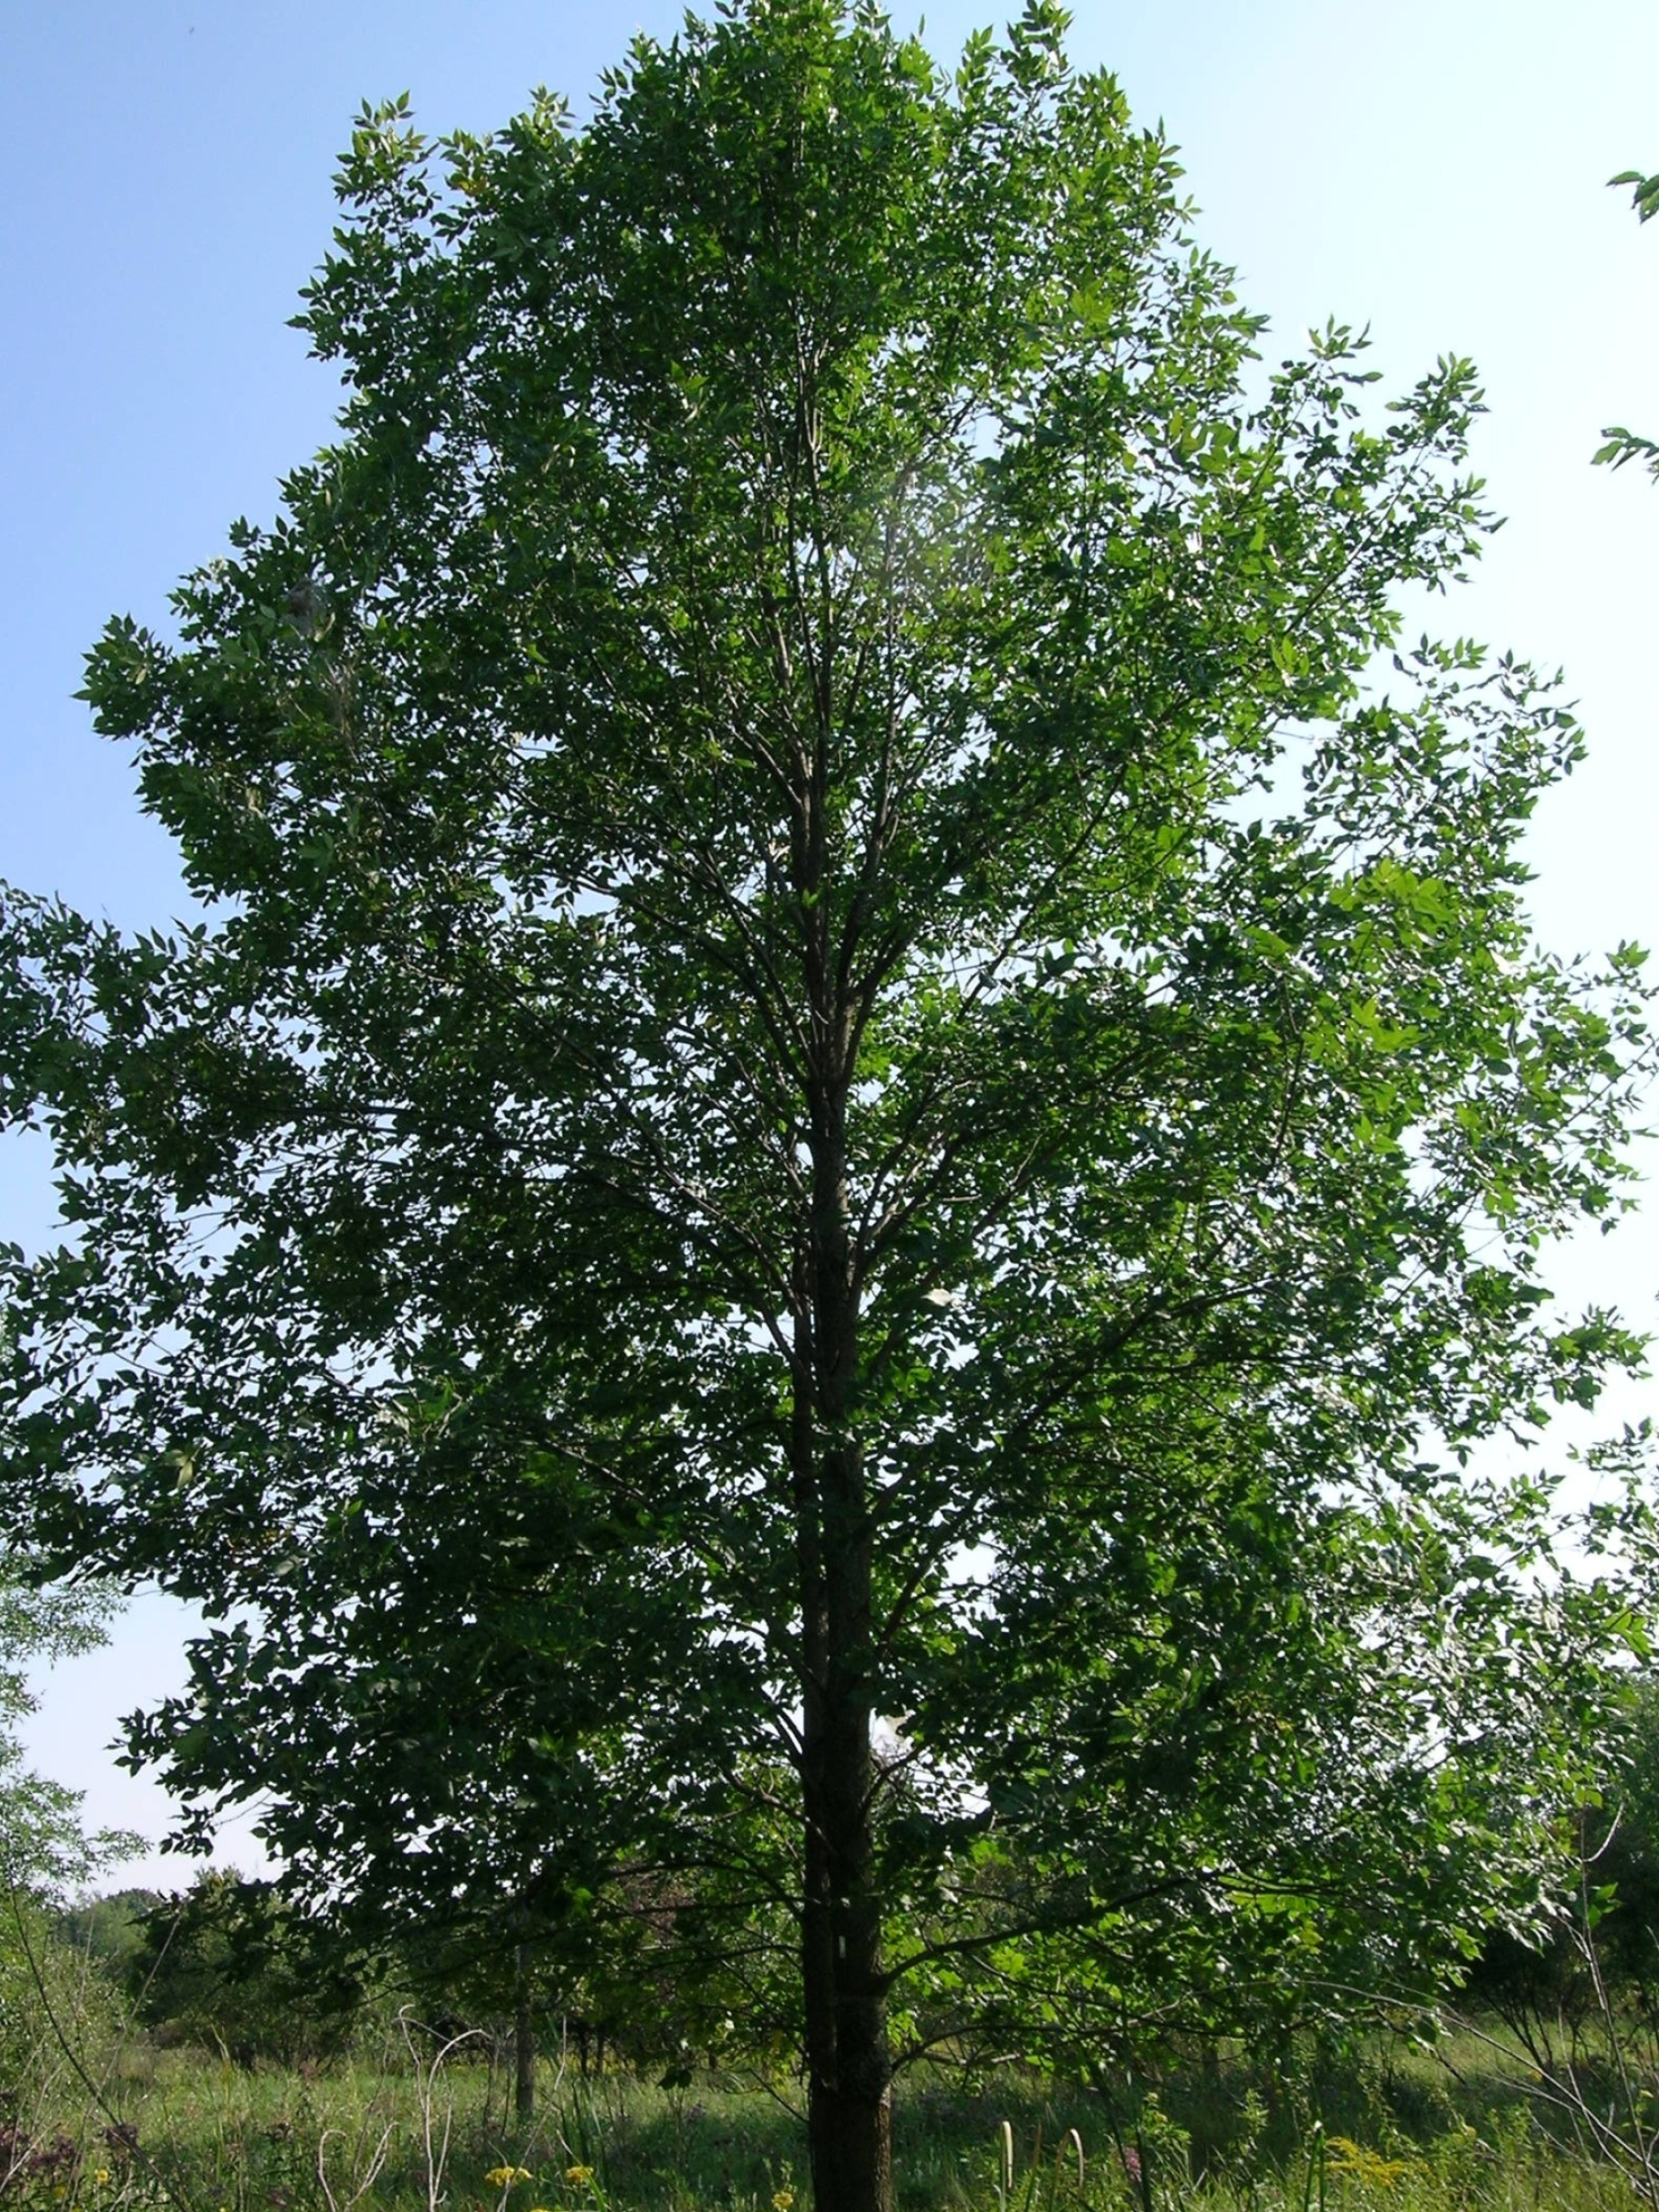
{"x": 850, "y": 2110}
{"x": 523, "y": 2041}
{"x": 849, "y": 2089}
{"x": 849, "y": 2098}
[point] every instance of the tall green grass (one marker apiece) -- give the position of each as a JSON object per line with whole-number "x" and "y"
{"x": 402, "y": 2129}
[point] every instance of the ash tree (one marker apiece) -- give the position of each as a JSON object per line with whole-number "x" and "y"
{"x": 808, "y": 1257}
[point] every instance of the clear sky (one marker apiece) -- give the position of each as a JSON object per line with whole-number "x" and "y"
{"x": 1435, "y": 169}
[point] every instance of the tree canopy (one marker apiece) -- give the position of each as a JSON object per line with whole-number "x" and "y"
{"x": 1620, "y": 445}
{"x": 808, "y": 1259}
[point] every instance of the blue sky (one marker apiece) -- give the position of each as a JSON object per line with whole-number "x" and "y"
{"x": 1435, "y": 170}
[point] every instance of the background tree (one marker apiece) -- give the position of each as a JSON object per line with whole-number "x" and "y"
{"x": 108, "y": 1926}
{"x": 45, "y": 1850}
{"x": 1546, "y": 1985}
{"x": 44, "y": 1847}
{"x": 229, "y": 1965}
{"x": 845, "y": 1065}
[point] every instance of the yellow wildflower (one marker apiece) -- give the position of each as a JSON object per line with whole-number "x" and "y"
{"x": 503, "y": 2176}
{"x": 578, "y": 2177}
{"x": 1348, "y": 2157}
{"x": 782, "y": 2200}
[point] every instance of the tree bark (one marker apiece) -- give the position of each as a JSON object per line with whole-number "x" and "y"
{"x": 850, "y": 2107}
{"x": 850, "y": 2091}
{"x": 523, "y": 2040}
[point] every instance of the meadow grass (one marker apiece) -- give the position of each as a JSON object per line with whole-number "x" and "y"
{"x": 183, "y": 2131}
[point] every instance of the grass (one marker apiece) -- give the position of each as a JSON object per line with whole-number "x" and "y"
{"x": 395, "y": 2130}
